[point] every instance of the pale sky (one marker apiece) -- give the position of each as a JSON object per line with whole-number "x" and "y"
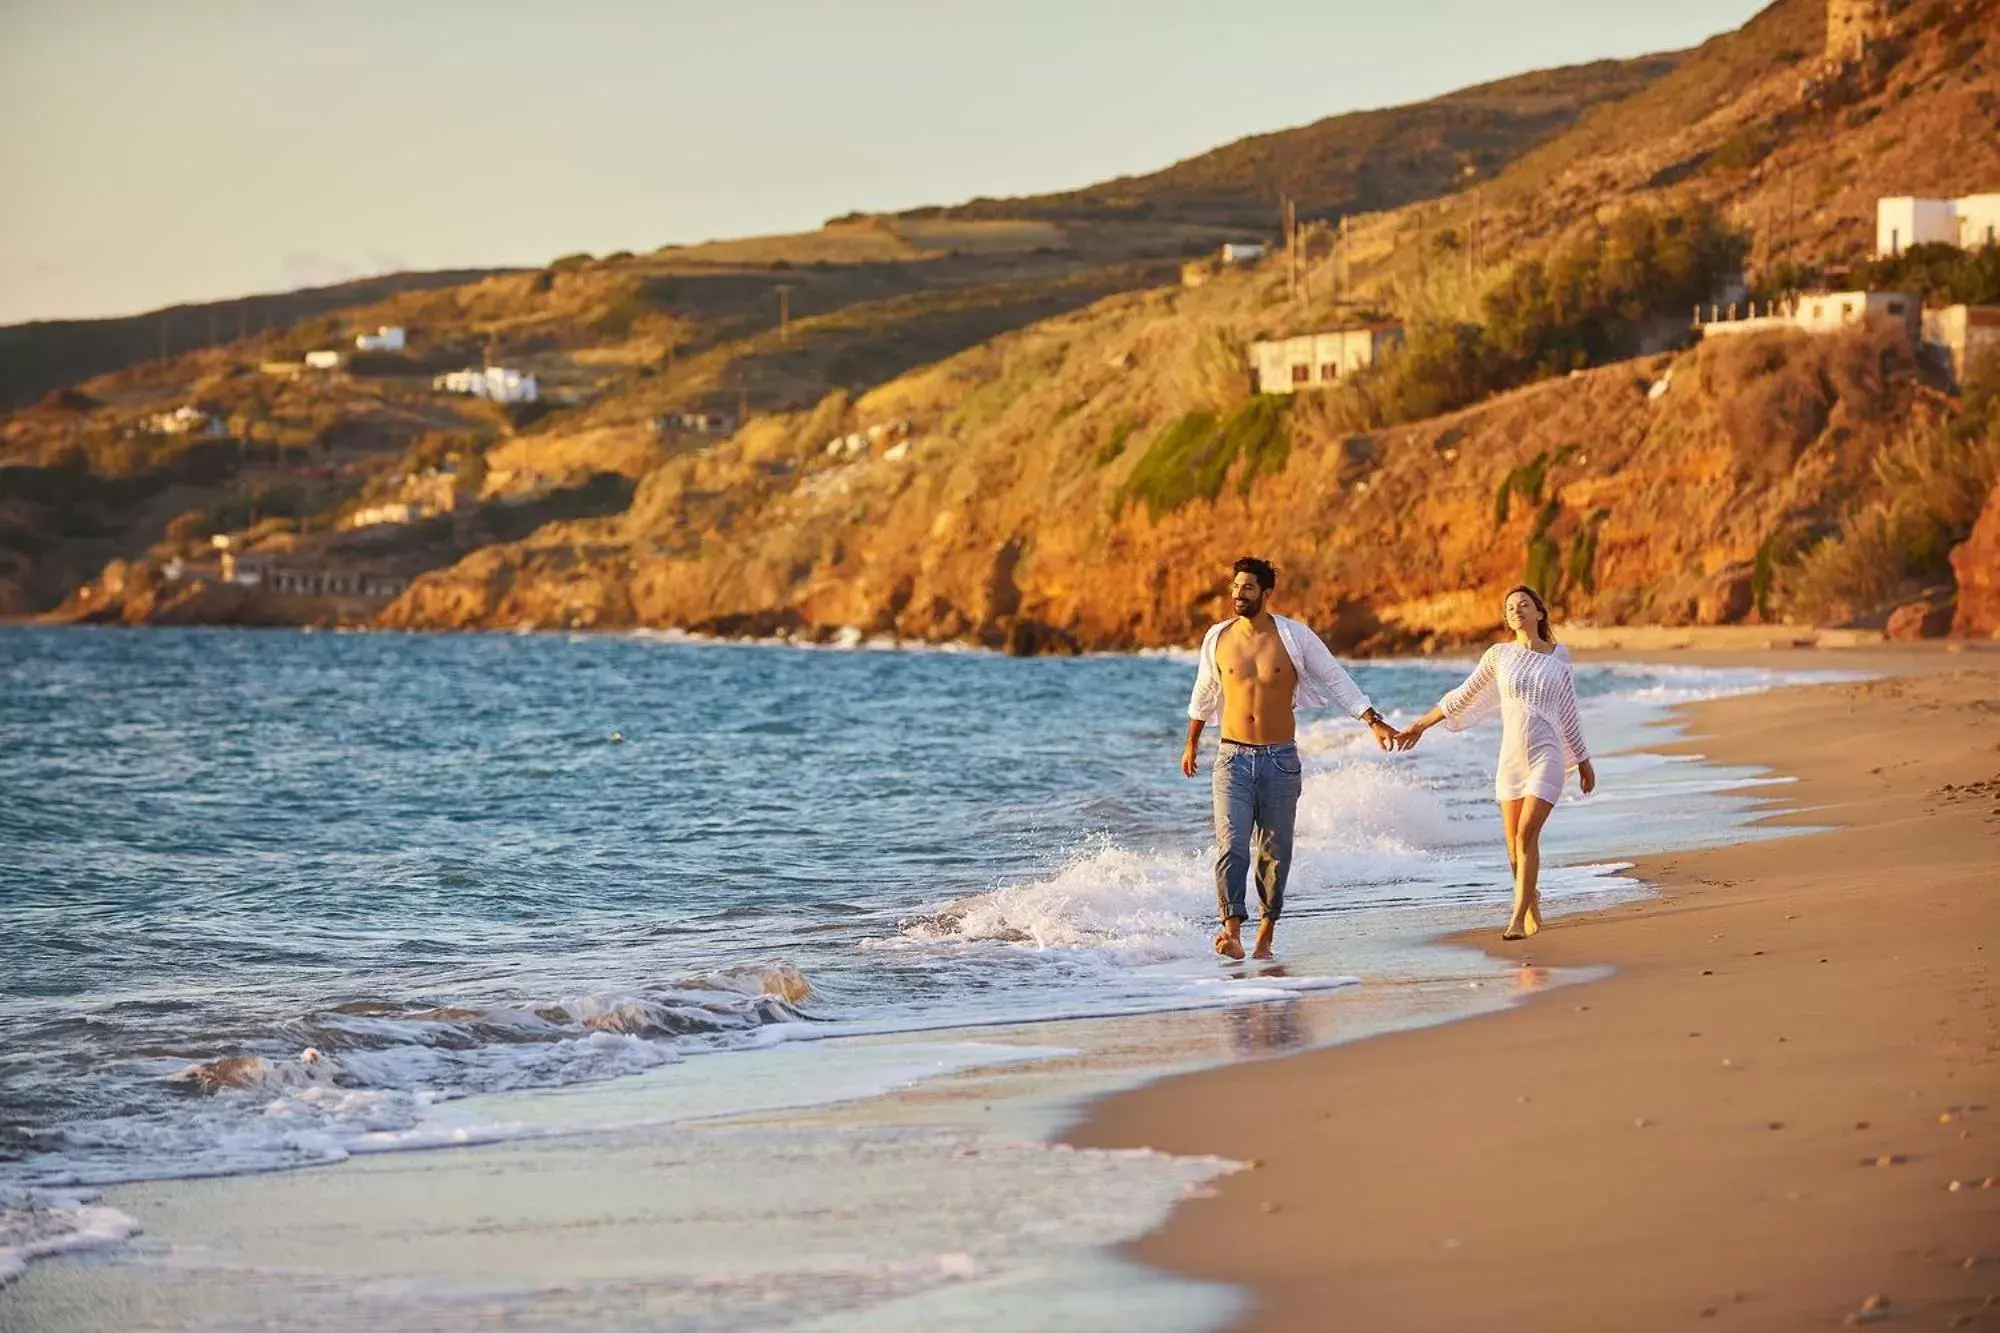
{"x": 155, "y": 151}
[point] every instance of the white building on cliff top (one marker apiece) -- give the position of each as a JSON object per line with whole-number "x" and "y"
{"x": 1969, "y": 222}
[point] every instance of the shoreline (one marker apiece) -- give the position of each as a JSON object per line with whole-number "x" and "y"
{"x": 1611, "y": 642}
{"x": 1694, "y": 1135}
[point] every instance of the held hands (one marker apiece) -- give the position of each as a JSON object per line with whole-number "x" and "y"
{"x": 1386, "y": 736}
{"x": 1407, "y": 740}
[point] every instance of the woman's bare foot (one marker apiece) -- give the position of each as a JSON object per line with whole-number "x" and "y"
{"x": 1265, "y": 929}
{"x": 1531, "y": 921}
{"x": 1229, "y": 940}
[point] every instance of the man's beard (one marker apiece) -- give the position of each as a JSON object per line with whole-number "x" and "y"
{"x": 1246, "y": 606}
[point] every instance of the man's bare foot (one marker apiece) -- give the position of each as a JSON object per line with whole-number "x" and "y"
{"x": 1265, "y": 929}
{"x": 1229, "y": 940}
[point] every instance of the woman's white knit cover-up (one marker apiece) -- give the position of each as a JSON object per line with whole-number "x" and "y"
{"x": 1541, "y": 736}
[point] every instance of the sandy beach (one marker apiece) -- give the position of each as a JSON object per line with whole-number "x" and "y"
{"x": 1780, "y": 1112}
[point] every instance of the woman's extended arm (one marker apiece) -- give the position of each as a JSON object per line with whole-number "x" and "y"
{"x": 1457, "y": 703}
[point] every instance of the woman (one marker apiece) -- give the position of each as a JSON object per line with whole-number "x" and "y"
{"x": 1530, "y": 682}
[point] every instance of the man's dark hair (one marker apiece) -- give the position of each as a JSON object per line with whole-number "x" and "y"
{"x": 1260, "y": 570}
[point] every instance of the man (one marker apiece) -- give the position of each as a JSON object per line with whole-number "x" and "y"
{"x": 1255, "y": 669}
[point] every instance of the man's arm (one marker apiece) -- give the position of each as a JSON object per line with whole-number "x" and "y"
{"x": 1332, "y": 680}
{"x": 1204, "y": 702}
{"x": 1193, "y": 747}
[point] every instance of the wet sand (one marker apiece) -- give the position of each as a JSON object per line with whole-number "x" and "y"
{"x": 1755, "y": 1123}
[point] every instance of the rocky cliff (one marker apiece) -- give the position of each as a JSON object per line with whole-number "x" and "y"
{"x": 1056, "y": 493}
{"x": 1976, "y": 564}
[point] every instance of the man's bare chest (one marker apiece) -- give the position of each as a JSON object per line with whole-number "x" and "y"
{"x": 1255, "y": 660}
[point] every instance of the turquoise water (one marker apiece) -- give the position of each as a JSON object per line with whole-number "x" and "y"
{"x": 267, "y": 895}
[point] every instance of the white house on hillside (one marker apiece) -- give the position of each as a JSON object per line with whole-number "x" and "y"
{"x": 388, "y": 338}
{"x": 1242, "y": 252}
{"x": 1969, "y": 222}
{"x": 494, "y": 383}
{"x": 1816, "y": 312}
{"x": 324, "y": 358}
{"x": 186, "y": 420}
{"x": 1287, "y": 365}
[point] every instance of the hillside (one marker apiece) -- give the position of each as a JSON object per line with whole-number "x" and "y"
{"x": 1755, "y": 125}
{"x": 995, "y": 526}
{"x": 1362, "y": 161}
{"x": 49, "y": 354}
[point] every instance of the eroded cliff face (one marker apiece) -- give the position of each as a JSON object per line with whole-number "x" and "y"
{"x": 1015, "y": 514}
{"x": 1976, "y": 564}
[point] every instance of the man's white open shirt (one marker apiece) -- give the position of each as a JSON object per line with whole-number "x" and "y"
{"x": 1323, "y": 682}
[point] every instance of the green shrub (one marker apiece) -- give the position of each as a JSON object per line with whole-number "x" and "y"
{"x": 1745, "y": 148}
{"x": 1525, "y": 481}
{"x": 1542, "y": 569}
{"x": 1255, "y": 432}
{"x": 1587, "y": 302}
{"x": 1931, "y": 486}
{"x": 1580, "y": 564}
{"x": 1113, "y": 447}
{"x": 1935, "y": 272}
{"x": 1191, "y": 458}
{"x": 1777, "y": 550}
{"x": 1584, "y": 304}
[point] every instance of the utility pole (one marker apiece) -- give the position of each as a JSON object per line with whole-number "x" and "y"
{"x": 1472, "y": 241}
{"x": 784, "y": 312}
{"x": 1291, "y": 248}
{"x": 1343, "y": 266}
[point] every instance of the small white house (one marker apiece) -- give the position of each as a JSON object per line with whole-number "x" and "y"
{"x": 387, "y": 338}
{"x": 1242, "y": 252}
{"x": 1968, "y": 222}
{"x": 1814, "y": 312}
{"x": 498, "y": 384}
{"x": 393, "y": 512}
{"x": 185, "y": 420}
{"x": 323, "y": 359}
{"x": 1288, "y": 365}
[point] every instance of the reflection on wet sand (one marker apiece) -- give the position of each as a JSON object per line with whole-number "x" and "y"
{"x": 1265, "y": 1029}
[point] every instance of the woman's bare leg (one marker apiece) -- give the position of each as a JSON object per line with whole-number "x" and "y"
{"x": 1527, "y": 918}
{"x": 1510, "y": 819}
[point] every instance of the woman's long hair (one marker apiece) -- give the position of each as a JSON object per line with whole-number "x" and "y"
{"x": 1540, "y": 605}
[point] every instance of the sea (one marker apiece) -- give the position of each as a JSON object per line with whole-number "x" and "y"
{"x": 273, "y": 900}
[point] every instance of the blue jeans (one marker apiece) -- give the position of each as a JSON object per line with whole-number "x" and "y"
{"x": 1256, "y": 799}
